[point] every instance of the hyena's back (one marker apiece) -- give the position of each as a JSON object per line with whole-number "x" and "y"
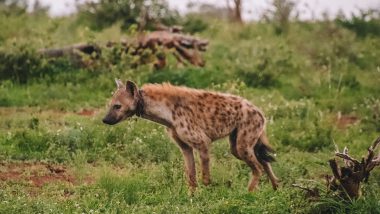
{"x": 214, "y": 115}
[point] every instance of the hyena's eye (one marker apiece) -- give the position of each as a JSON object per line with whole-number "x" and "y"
{"x": 116, "y": 106}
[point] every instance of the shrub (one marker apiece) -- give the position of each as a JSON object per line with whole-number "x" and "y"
{"x": 269, "y": 64}
{"x": 30, "y": 142}
{"x": 129, "y": 12}
{"x": 192, "y": 24}
{"x": 280, "y": 14}
{"x": 365, "y": 24}
{"x": 22, "y": 63}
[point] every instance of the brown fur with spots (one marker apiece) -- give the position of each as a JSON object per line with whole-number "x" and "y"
{"x": 194, "y": 119}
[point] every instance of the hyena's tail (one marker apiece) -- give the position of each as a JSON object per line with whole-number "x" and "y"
{"x": 263, "y": 150}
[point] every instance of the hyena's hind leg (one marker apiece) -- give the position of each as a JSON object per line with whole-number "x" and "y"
{"x": 244, "y": 145}
{"x": 233, "y": 139}
{"x": 262, "y": 150}
{"x": 273, "y": 179}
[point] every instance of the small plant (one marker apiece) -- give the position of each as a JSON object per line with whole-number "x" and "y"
{"x": 118, "y": 187}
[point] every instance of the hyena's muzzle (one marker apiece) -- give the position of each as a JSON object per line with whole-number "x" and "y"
{"x": 111, "y": 118}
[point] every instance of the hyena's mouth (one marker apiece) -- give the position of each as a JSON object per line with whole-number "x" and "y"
{"x": 111, "y": 121}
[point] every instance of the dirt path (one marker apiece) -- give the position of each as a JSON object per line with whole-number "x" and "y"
{"x": 37, "y": 174}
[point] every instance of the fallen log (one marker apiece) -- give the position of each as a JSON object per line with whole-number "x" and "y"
{"x": 172, "y": 29}
{"x": 185, "y": 48}
{"x": 72, "y": 50}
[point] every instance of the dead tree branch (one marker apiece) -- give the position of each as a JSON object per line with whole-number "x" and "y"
{"x": 72, "y": 50}
{"x": 310, "y": 192}
{"x": 185, "y": 48}
{"x": 348, "y": 178}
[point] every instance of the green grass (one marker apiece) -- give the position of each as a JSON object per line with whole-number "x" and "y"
{"x": 302, "y": 81}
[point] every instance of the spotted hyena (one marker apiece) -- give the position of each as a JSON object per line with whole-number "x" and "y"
{"x": 194, "y": 119}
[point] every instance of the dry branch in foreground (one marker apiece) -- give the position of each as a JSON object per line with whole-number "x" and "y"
{"x": 347, "y": 179}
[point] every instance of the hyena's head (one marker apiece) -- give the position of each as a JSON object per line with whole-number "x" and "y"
{"x": 123, "y": 103}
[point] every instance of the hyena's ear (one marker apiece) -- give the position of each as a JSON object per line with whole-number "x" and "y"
{"x": 119, "y": 83}
{"x": 131, "y": 88}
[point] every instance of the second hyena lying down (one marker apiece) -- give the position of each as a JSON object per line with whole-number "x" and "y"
{"x": 194, "y": 119}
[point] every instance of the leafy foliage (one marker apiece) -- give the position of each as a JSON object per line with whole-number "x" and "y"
{"x": 280, "y": 15}
{"x": 367, "y": 23}
{"x": 193, "y": 24}
{"x": 23, "y": 63}
{"x": 129, "y": 12}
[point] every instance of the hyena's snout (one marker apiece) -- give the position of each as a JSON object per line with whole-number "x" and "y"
{"x": 106, "y": 121}
{"x": 110, "y": 120}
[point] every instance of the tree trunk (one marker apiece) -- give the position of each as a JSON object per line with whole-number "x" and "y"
{"x": 238, "y": 9}
{"x": 235, "y": 12}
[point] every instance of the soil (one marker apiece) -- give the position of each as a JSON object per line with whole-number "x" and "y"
{"x": 87, "y": 112}
{"x": 345, "y": 121}
{"x": 36, "y": 174}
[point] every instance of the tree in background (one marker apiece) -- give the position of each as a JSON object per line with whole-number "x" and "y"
{"x": 143, "y": 13}
{"x": 227, "y": 12}
{"x": 18, "y": 7}
{"x": 280, "y": 14}
{"x": 235, "y": 12}
{"x": 366, "y": 23}
{"x": 12, "y": 7}
{"x": 208, "y": 11}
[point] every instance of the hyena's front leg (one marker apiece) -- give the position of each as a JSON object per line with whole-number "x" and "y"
{"x": 188, "y": 157}
{"x": 201, "y": 142}
{"x": 205, "y": 164}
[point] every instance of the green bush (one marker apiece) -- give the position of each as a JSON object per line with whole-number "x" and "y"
{"x": 193, "y": 24}
{"x": 129, "y": 12}
{"x": 30, "y": 143}
{"x": 269, "y": 64}
{"x": 22, "y": 64}
{"x": 365, "y": 24}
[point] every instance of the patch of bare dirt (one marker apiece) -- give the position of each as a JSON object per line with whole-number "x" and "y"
{"x": 87, "y": 112}
{"x": 344, "y": 121}
{"x": 10, "y": 112}
{"x": 37, "y": 174}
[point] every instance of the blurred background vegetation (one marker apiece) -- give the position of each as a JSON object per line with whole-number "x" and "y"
{"x": 318, "y": 81}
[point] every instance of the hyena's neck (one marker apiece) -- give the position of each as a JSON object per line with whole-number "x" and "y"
{"x": 156, "y": 109}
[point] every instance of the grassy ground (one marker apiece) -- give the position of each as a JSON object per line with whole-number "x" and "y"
{"x": 318, "y": 85}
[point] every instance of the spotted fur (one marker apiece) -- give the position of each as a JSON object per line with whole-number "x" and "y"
{"x": 196, "y": 118}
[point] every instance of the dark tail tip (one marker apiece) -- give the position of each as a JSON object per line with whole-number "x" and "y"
{"x": 263, "y": 153}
